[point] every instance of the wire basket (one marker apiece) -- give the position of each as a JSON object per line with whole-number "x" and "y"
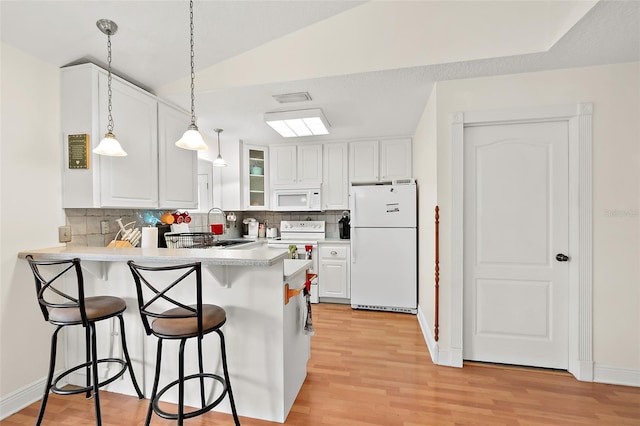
{"x": 190, "y": 239}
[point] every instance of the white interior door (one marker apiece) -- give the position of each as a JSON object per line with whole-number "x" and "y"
{"x": 515, "y": 223}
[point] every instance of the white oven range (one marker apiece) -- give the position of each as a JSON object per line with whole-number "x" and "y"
{"x": 302, "y": 234}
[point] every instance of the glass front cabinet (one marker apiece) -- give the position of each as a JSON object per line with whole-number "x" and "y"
{"x": 256, "y": 184}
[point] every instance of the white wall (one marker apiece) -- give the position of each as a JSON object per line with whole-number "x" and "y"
{"x": 615, "y": 93}
{"x": 30, "y": 213}
{"x": 425, "y": 170}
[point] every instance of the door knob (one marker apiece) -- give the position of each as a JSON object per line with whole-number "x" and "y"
{"x": 562, "y": 257}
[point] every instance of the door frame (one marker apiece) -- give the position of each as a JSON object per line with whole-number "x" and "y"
{"x": 579, "y": 119}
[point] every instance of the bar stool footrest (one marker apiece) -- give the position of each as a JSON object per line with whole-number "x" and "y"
{"x": 62, "y": 391}
{"x": 208, "y": 407}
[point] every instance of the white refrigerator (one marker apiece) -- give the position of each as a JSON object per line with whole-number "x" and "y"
{"x": 384, "y": 268}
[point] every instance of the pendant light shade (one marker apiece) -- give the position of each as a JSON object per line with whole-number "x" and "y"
{"x": 192, "y": 139}
{"x": 219, "y": 161}
{"x": 109, "y": 145}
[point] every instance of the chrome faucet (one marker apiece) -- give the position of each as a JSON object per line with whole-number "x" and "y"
{"x": 218, "y": 210}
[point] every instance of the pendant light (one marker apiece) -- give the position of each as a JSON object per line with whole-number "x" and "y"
{"x": 219, "y": 161}
{"x": 192, "y": 139}
{"x": 109, "y": 145}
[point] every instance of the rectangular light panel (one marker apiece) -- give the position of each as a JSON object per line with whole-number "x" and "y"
{"x": 306, "y": 122}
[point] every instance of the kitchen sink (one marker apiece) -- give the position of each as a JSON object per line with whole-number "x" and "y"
{"x": 228, "y": 243}
{"x": 203, "y": 240}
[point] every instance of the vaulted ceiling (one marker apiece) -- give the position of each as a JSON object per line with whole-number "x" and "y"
{"x": 369, "y": 65}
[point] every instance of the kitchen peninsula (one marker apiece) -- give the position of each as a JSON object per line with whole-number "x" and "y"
{"x": 267, "y": 347}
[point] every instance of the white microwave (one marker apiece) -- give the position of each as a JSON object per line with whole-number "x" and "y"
{"x": 296, "y": 200}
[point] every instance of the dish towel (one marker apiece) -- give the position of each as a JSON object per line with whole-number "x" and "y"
{"x": 308, "y": 324}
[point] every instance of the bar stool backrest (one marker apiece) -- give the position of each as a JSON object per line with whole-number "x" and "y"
{"x": 50, "y": 279}
{"x": 155, "y": 292}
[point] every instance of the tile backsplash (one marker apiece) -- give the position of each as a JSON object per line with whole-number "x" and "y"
{"x": 87, "y": 224}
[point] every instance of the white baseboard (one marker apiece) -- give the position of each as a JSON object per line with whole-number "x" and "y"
{"x": 429, "y": 339}
{"x": 22, "y": 398}
{"x": 450, "y": 358}
{"x": 616, "y": 375}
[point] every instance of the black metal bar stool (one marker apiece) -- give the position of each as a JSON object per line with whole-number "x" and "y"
{"x": 62, "y": 308}
{"x": 177, "y": 320}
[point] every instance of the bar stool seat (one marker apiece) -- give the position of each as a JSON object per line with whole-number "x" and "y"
{"x": 155, "y": 286}
{"x": 67, "y": 306}
{"x": 175, "y": 325}
{"x": 96, "y": 307}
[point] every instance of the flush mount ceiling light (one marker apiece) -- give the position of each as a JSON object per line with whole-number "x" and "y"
{"x": 292, "y": 97}
{"x": 192, "y": 139}
{"x": 219, "y": 161}
{"x": 109, "y": 145}
{"x": 303, "y": 122}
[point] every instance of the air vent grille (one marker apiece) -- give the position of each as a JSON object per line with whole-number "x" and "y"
{"x": 286, "y": 98}
{"x": 385, "y": 308}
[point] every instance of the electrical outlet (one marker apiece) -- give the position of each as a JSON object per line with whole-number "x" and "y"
{"x": 104, "y": 227}
{"x": 64, "y": 234}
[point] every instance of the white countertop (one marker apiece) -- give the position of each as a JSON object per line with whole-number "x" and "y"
{"x": 293, "y": 267}
{"x": 334, "y": 241}
{"x": 258, "y": 256}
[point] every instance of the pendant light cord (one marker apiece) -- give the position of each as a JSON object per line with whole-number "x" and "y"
{"x": 193, "y": 73}
{"x": 110, "y": 117}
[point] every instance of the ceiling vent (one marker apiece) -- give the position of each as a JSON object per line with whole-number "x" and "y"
{"x": 286, "y": 98}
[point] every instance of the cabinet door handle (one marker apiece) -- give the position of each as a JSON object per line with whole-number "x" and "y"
{"x": 333, "y": 252}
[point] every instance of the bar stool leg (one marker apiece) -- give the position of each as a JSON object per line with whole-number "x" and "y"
{"x": 201, "y": 365}
{"x": 87, "y": 342}
{"x": 52, "y": 366}
{"x": 128, "y": 358}
{"x": 181, "y": 383}
{"x": 96, "y": 377}
{"x": 226, "y": 377}
{"x": 156, "y": 378}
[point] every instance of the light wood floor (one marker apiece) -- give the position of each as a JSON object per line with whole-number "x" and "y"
{"x": 373, "y": 368}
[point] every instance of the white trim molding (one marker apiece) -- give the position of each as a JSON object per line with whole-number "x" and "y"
{"x": 430, "y": 340}
{"x": 579, "y": 118}
{"x": 616, "y": 375}
{"x": 24, "y": 397}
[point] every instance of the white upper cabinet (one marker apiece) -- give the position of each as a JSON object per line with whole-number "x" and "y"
{"x": 296, "y": 166}
{"x": 178, "y": 186}
{"x": 244, "y": 183}
{"x": 310, "y": 165}
{"x": 383, "y": 160}
{"x": 130, "y": 181}
{"x": 133, "y": 181}
{"x": 283, "y": 166}
{"x": 205, "y": 186}
{"x": 255, "y": 181}
{"x": 335, "y": 183}
{"x": 228, "y": 191}
{"x": 395, "y": 159}
{"x": 363, "y": 161}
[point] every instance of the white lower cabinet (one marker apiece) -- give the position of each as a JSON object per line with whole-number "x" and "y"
{"x": 333, "y": 277}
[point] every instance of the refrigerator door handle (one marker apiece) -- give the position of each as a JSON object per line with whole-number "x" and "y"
{"x": 353, "y": 207}
{"x": 353, "y": 246}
